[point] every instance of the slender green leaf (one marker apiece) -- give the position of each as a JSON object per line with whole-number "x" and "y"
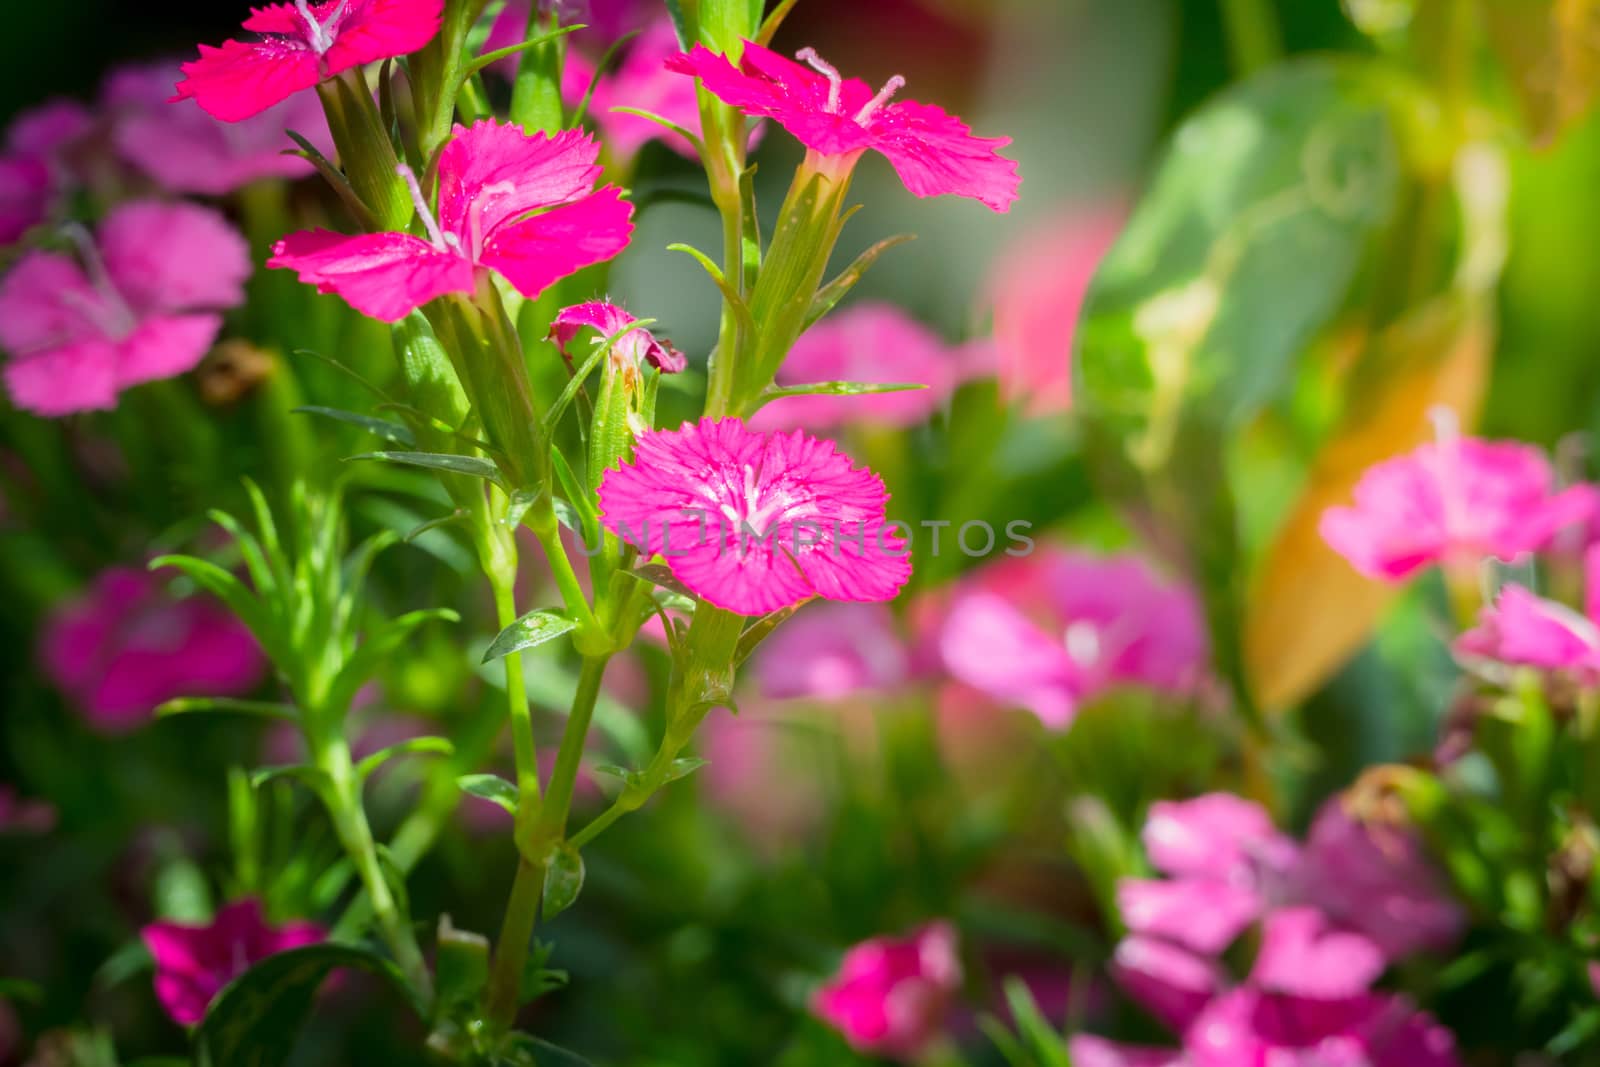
{"x": 829, "y": 295}
{"x": 437, "y": 746}
{"x": 389, "y": 431}
{"x": 227, "y": 706}
{"x": 476, "y": 466}
{"x": 490, "y": 787}
{"x": 762, "y": 628}
{"x": 533, "y": 629}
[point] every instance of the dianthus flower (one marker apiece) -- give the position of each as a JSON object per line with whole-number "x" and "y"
{"x": 754, "y": 522}
{"x": 891, "y": 996}
{"x": 194, "y": 962}
{"x": 636, "y": 347}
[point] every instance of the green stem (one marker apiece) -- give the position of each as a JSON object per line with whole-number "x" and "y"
{"x": 1254, "y": 37}
{"x": 503, "y": 581}
{"x": 511, "y": 952}
{"x": 355, "y": 834}
{"x": 591, "y": 636}
{"x": 564, "y": 778}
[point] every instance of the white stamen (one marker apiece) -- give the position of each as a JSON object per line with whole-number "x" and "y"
{"x": 444, "y": 242}
{"x": 821, "y": 66}
{"x": 1082, "y": 640}
{"x": 886, "y": 94}
{"x": 1447, "y": 439}
{"x": 321, "y": 32}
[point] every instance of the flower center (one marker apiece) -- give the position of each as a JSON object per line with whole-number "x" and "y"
{"x": 444, "y": 242}
{"x": 320, "y": 34}
{"x": 836, "y": 86}
{"x": 111, "y": 313}
{"x": 751, "y": 510}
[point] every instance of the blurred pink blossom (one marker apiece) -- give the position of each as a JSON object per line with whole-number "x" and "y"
{"x": 890, "y": 996}
{"x": 33, "y": 173}
{"x": 125, "y": 646}
{"x": 839, "y": 119}
{"x": 726, "y": 505}
{"x": 188, "y": 151}
{"x": 296, "y": 45}
{"x": 194, "y": 962}
{"x": 144, "y": 303}
{"x": 1454, "y": 501}
{"x": 1522, "y": 629}
{"x": 1373, "y": 878}
{"x": 1050, "y": 630}
{"x": 1037, "y": 290}
{"x": 491, "y": 176}
{"x": 873, "y": 343}
{"x": 829, "y": 651}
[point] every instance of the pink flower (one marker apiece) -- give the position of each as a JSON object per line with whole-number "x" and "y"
{"x": 125, "y": 646}
{"x": 194, "y": 963}
{"x": 32, "y": 172}
{"x": 189, "y": 151}
{"x": 1170, "y": 982}
{"x": 828, "y": 652}
{"x": 144, "y": 304}
{"x": 1037, "y": 290}
{"x": 642, "y": 81}
{"x": 1521, "y": 629}
{"x": 1454, "y": 501}
{"x": 1248, "y": 1026}
{"x": 754, "y": 522}
{"x": 1301, "y": 954}
{"x": 492, "y": 176}
{"x": 1049, "y": 631}
{"x": 19, "y": 816}
{"x": 635, "y": 348}
{"x": 890, "y": 996}
{"x": 1373, "y": 878}
{"x": 839, "y": 118}
{"x": 1087, "y": 1050}
{"x": 1227, "y": 863}
{"x": 603, "y": 20}
{"x": 875, "y": 343}
{"x": 300, "y": 45}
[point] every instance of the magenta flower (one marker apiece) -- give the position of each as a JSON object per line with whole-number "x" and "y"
{"x": 1248, "y": 1026}
{"x": 143, "y": 304}
{"x": 522, "y": 206}
{"x": 299, "y": 45}
{"x": 1454, "y": 501}
{"x": 194, "y": 962}
{"x": 890, "y": 996}
{"x": 875, "y": 343}
{"x": 1049, "y": 631}
{"x": 1172, "y": 983}
{"x": 1086, "y": 1050}
{"x": 839, "y": 118}
{"x": 1227, "y": 865}
{"x": 1522, "y": 629}
{"x": 189, "y": 151}
{"x": 33, "y": 173}
{"x": 1373, "y": 878}
{"x": 635, "y": 348}
{"x": 754, "y": 522}
{"x": 829, "y": 652}
{"x": 125, "y": 647}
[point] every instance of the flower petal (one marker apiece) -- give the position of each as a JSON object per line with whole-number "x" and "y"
{"x": 370, "y": 30}
{"x": 165, "y": 345}
{"x": 241, "y": 79}
{"x": 42, "y": 303}
{"x": 385, "y": 276}
{"x": 936, "y": 154}
{"x": 81, "y": 376}
{"x": 166, "y": 257}
{"x": 492, "y": 173}
{"x": 537, "y": 252}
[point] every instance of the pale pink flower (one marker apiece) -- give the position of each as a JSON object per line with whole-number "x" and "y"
{"x": 635, "y": 348}
{"x": 755, "y": 522}
{"x": 1037, "y": 290}
{"x": 1454, "y": 501}
{"x": 33, "y": 173}
{"x": 492, "y": 177}
{"x": 829, "y": 652}
{"x": 143, "y": 304}
{"x": 298, "y": 45}
{"x": 189, "y": 151}
{"x": 839, "y": 118}
{"x": 1051, "y": 630}
{"x": 1248, "y": 1026}
{"x": 873, "y": 343}
{"x": 194, "y": 961}
{"x": 1086, "y": 1050}
{"x": 1522, "y": 629}
{"x": 1170, "y": 982}
{"x": 1227, "y": 864}
{"x": 890, "y": 997}
{"x": 1373, "y": 878}
{"x": 126, "y": 646}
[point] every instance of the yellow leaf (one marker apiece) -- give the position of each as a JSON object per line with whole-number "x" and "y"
{"x": 1309, "y": 610}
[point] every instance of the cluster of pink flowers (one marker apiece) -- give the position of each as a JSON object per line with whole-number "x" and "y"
{"x": 1331, "y": 914}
